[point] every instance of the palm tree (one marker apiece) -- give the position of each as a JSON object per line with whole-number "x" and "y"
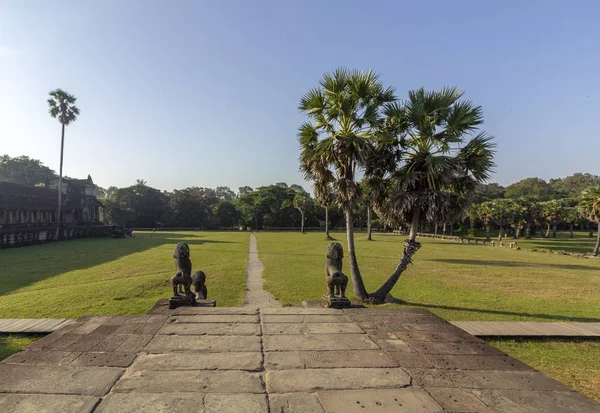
{"x": 324, "y": 197}
{"x": 440, "y": 166}
{"x": 62, "y": 106}
{"x": 589, "y": 205}
{"x": 302, "y": 202}
{"x": 344, "y": 113}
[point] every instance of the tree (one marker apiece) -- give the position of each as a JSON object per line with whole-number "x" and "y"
{"x": 344, "y": 113}
{"x": 570, "y": 214}
{"x": 572, "y": 186}
{"x": 487, "y": 192}
{"x": 551, "y": 214}
{"x": 302, "y": 203}
{"x": 534, "y": 188}
{"x": 25, "y": 171}
{"x": 443, "y": 160}
{"x": 225, "y": 193}
{"x": 244, "y": 190}
{"x": 227, "y": 213}
{"x": 324, "y": 197}
{"x": 589, "y": 206}
{"x": 62, "y": 107}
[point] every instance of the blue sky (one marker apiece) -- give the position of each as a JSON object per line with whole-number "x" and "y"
{"x": 184, "y": 93}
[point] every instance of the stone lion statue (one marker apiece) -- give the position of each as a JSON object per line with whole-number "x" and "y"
{"x": 199, "y": 283}
{"x": 336, "y": 280}
{"x": 182, "y": 280}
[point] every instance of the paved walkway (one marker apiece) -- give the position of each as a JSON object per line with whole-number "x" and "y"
{"x": 33, "y": 325}
{"x": 529, "y": 329}
{"x": 256, "y": 296}
{"x": 246, "y": 360}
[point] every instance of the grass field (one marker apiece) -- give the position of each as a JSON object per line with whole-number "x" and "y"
{"x": 13, "y": 343}
{"x": 581, "y": 241}
{"x": 575, "y": 363}
{"x": 455, "y": 281}
{"x": 115, "y": 276}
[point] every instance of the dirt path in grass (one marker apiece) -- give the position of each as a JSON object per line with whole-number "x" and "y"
{"x": 256, "y": 296}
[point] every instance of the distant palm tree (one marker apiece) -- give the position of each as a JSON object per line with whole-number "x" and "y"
{"x": 324, "y": 197}
{"x": 441, "y": 166}
{"x": 345, "y": 112}
{"x": 62, "y": 106}
{"x": 589, "y": 205}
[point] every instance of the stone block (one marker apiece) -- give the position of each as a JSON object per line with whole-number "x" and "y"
{"x": 282, "y": 318}
{"x": 86, "y": 342}
{"x": 318, "y": 342}
{"x": 46, "y": 403}
{"x": 90, "y": 381}
{"x": 405, "y": 359}
{"x": 42, "y": 357}
{"x": 281, "y": 360}
{"x": 477, "y": 362}
{"x": 522, "y": 401}
{"x": 165, "y": 344}
{"x": 216, "y": 329}
{"x": 439, "y": 337}
{"x": 151, "y": 403}
{"x": 181, "y": 301}
{"x": 106, "y": 329}
{"x": 150, "y": 328}
{"x": 194, "y": 381}
{"x": 206, "y": 303}
{"x": 87, "y": 327}
{"x": 200, "y": 361}
{"x": 61, "y": 343}
{"x": 458, "y": 400}
{"x": 437, "y": 378}
{"x": 235, "y": 403}
{"x": 295, "y": 403}
{"x": 214, "y": 318}
{"x": 128, "y": 328}
{"x": 311, "y": 380}
{"x": 431, "y": 347}
{"x": 311, "y": 328}
{"x": 110, "y": 359}
{"x": 514, "y": 380}
{"x": 111, "y": 343}
{"x": 214, "y": 311}
{"x": 135, "y": 343}
{"x": 299, "y": 311}
{"x": 335, "y": 302}
{"x": 379, "y": 400}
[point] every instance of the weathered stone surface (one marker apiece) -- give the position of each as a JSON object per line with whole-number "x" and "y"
{"x": 430, "y": 347}
{"x": 128, "y": 328}
{"x": 137, "y": 319}
{"x": 42, "y": 357}
{"x": 310, "y": 380}
{"x": 311, "y": 328}
{"x": 518, "y": 380}
{"x": 151, "y": 403}
{"x": 528, "y": 401}
{"x": 214, "y": 311}
{"x": 442, "y": 337}
{"x": 405, "y": 359}
{"x": 318, "y": 342}
{"x": 378, "y": 400}
{"x": 46, "y": 403}
{"x": 308, "y": 318}
{"x": 437, "y": 327}
{"x": 393, "y": 344}
{"x": 217, "y": 329}
{"x": 214, "y": 318}
{"x": 335, "y": 302}
{"x": 106, "y": 329}
{"x": 281, "y": 318}
{"x": 135, "y": 343}
{"x": 181, "y": 301}
{"x": 61, "y": 343}
{"x": 235, "y": 403}
{"x": 165, "y": 344}
{"x": 86, "y": 328}
{"x": 111, "y": 343}
{"x": 281, "y": 360}
{"x": 117, "y": 320}
{"x": 150, "y": 328}
{"x": 476, "y": 362}
{"x": 200, "y": 361}
{"x": 300, "y": 310}
{"x": 458, "y": 400}
{"x": 440, "y": 378}
{"x": 86, "y": 342}
{"x": 110, "y": 359}
{"x": 91, "y": 381}
{"x": 295, "y": 403}
{"x": 195, "y": 381}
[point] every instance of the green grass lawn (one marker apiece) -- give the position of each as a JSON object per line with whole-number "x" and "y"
{"x": 13, "y": 343}
{"x": 575, "y": 363}
{"x": 116, "y": 276}
{"x": 581, "y": 241}
{"x": 455, "y": 281}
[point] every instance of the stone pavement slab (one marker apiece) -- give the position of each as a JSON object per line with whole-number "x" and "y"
{"x": 278, "y": 360}
{"x": 46, "y": 403}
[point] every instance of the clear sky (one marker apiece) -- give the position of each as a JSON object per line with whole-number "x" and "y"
{"x": 183, "y": 93}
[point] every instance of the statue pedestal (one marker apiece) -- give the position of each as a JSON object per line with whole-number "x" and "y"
{"x": 181, "y": 301}
{"x": 206, "y": 303}
{"x": 335, "y": 302}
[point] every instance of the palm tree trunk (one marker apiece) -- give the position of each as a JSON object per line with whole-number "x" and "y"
{"x": 435, "y": 227}
{"x": 571, "y": 230}
{"x": 411, "y": 246}
{"x": 517, "y": 231}
{"x": 547, "y": 230}
{"x": 369, "y": 224}
{"x": 444, "y": 229}
{"x": 62, "y": 146}
{"x": 357, "y": 282}
{"x": 327, "y": 222}
{"x": 302, "y": 224}
{"x": 597, "y": 247}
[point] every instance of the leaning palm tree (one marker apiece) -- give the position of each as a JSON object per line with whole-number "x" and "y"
{"x": 442, "y": 163}
{"x": 345, "y": 112}
{"x": 62, "y": 106}
{"x": 589, "y": 206}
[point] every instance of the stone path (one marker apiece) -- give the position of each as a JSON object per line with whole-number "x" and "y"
{"x": 32, "y": 325}
{"x": 256, "y": 296}
{"x": 529, "y": 328}
{"x": 200, "y": 359}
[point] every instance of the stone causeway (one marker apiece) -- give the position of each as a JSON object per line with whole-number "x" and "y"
{"x": 274, "y": 360}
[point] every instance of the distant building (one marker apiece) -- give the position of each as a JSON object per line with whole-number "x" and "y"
{"x": 28, "y": 214}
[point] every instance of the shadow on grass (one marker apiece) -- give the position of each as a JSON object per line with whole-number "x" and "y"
{"x": 510, "y": 313}
{"x": 494, "y": 263}
{"x": 24, "y": 266}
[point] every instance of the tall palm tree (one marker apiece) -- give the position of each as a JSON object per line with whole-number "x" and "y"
{"x": 441, "y": 165}
{"x": 589, "y": 205}
{"x": 62, "y": 106}
{"x": 345, "y": 112}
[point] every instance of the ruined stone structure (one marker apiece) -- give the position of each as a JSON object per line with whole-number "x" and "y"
{"x": 28, "y": 214}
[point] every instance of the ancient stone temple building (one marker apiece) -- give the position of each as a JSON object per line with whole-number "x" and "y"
{"x": 28, "y": 214}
